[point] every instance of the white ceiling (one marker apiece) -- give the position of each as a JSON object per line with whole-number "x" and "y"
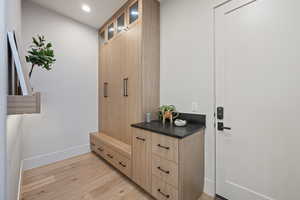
{"x": 101, "y": 10}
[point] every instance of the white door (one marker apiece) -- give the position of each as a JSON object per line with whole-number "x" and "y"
{"x": 257, "y": 63}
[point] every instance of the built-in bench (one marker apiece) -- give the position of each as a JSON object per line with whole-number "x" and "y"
{"x": 114, "y": 151}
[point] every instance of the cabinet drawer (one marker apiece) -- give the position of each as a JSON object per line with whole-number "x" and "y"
{"x": 123, "y": 164}
{"x": 100, "y": 149}
{"x": 166, "y": 170}
{"x": 109, "y": 155}
{"x": 166, "y": 147}
{"x": 163, "y": 191}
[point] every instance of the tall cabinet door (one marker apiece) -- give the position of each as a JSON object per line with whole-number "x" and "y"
{"x": 131, "y": 101}
{"x": 141, "y": 158}
{"x": 103, "y": 88}
{"x": 115, "y": 91}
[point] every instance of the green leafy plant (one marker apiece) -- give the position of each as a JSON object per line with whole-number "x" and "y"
{"x": 40, "y": 54}
{"x": 165, "y": 108}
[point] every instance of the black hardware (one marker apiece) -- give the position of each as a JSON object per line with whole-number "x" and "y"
{"x": 221, "y": 127}
{"x": 105, "y": 90}
{"x": 110, "y": 156}
{"x": 165, "y": 171}
{"x": 220, "y": 113}
{"x": 141, "y": 139}
{"x": 165, "y": 195}
{"x": 164, "y": 147}
{"x": 100, "y": 149}
{"x": 125, "y": 87}
{"x": 123, "y": 165}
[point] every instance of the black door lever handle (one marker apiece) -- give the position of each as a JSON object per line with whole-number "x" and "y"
{"x": 221, "y": 127}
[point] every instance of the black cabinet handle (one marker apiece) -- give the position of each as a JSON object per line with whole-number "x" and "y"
{"x": 165, "y": 171}
{"x": 105, "y": 91}
{"x": 142, "y": 139}
{"x": 164, "y": 147}
{"x": 125, "y": 87}
{"x": 165, "y": 195}
{"x": 123, "y": 165}
{"x": 100, "y": 149}
{"x": 110, "y": 156}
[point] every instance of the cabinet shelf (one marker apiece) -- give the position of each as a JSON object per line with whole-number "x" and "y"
{"x": 17, "y": 105}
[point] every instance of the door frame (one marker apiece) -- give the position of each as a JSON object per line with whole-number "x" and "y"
{"x": 3, "y": 96}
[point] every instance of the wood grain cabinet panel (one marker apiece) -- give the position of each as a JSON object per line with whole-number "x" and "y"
{"x": 123, "y": 164}
{"x": 129, "y": 69}
{"x": 141, "y": 159}
{"x": 166, "y": 170}
{"x": 162, "y": 190}
{"x": 129, "y": 74}
{"x": 166, "y": 147}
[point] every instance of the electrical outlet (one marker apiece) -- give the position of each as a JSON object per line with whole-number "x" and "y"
{"x": 194, "y": 106}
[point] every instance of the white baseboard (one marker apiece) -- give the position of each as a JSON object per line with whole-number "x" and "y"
{"x": 240, "y": 192}
{"x": 41, "y": 160}
{"x": 20, "y": 180}
{"x": 209, "y": 187}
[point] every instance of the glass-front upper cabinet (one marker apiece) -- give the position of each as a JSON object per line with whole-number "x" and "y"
{"x": 134, "y": 12}
{"x": 110, "y": 31}
{"x": 121, "y": 23}
{"x": 102, "y": 37}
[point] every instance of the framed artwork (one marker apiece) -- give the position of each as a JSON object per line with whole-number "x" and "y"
{"x": 18, "y": 76}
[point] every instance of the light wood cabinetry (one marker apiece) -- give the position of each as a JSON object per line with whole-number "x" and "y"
{"x": 166, "y": 167}
{"x": 113, "y": 151}
{"x": 177, "y": 165}
{"x": 166, "y": 170}
{"x": 129, "y": 68}
{"x": 165, "y": 147}
{"x": 141, "y": 159}
{"x": 162, "y": 190}
{"x": 128, "y": 86}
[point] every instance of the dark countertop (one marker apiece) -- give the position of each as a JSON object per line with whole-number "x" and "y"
{"x": 193, "y": 126}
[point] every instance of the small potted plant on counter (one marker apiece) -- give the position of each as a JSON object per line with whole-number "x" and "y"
{"x": 168, "y": 112}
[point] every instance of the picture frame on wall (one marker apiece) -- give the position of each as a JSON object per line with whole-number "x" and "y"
{"x": 16, "y": 66}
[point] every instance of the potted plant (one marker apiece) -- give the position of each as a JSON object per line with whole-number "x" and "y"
{"x": 40, "y": 54}
{"x": 168, "y": 112}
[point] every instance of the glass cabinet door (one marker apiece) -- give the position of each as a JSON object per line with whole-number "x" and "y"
{"x": 134, "y": 12}
{"x": 121, "y": 23}
{"x": 102, "y": 37}
{"x": 110, "y": 31}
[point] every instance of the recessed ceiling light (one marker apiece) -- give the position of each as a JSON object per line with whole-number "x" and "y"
{"x": 86, "y": 8}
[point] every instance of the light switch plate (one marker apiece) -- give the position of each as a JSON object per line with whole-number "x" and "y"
{"x": 194, "y": 106}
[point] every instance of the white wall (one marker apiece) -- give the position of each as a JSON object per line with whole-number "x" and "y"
{"x": 14, "y": 155}
{"x": 69, "y": 91}
{"x": 13, "y": 123}
{"x": 187, "y": 65}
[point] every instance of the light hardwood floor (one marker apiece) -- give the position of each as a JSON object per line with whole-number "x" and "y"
{"x": 85, "y": 177}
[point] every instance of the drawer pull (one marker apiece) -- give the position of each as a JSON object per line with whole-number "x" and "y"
{"x": 164, "y": 147}
{"x": 123, "y": 165}
{"x": 165, "y": 171}
{"x": 165, "y": 195}
{"x": 100, "y": 149}
{"x": 110, "y": 156}
{"x": 142, "y": 139}
{"x": 92, "y": 144}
